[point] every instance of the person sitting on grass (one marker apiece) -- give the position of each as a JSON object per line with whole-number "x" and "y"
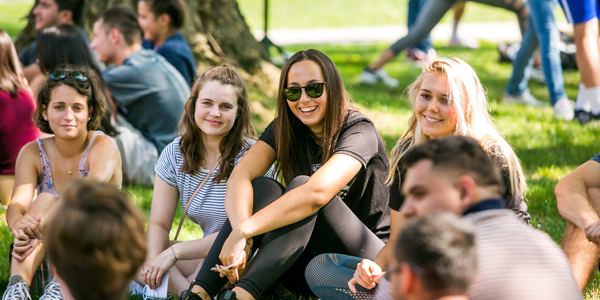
{"x": 578, "y": 201}
{"x": 95, "y": 241}
{"x": 70, "y": 105}
{"x": 515, "y": 261}
{"x": 333, "y": 162}
{"x": 447, "y": 99}
{"x": 216, "y": 132}
{"x": 436, "y": 258}
{"x": 160, "y": 20}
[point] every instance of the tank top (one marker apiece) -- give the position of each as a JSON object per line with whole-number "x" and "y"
{"x": 45, "y": 182}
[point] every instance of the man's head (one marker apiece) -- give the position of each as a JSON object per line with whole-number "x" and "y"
{"x": 435, "y": 257}
{"x": 96, "y": 242}
{"x": 53, "y": 12}
{"x": 115, "y": 29}
{"x": 448, "y": 174}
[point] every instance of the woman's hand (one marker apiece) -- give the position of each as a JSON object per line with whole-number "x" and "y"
{"x": 367, "y": 274}
{"x": 154, "y": 269}
{"x": 23, "y": 247}
{"x": 233, "y": 273}
{"x": 27, "y": 225}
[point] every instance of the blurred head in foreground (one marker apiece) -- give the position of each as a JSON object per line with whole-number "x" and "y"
{"x": 95, "y": 241}
{"x": 436, "y": 258}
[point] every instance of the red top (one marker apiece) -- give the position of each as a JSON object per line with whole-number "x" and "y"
{"x": 16, "y": 128}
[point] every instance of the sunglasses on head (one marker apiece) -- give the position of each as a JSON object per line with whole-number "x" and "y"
{"x": 60, "y": 75}
{"x": 313, "y": 90}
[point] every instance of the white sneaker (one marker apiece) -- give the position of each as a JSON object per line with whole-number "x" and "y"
{"x": 52, "y": 292}
{"x": 17, "y": 289}
{"x": 564, "y": 109}
{"x": 537, "y": 75}
{"x": 369, "y": 77}
{"x": 525, "y": 99}
{"x": 463, "y": 42}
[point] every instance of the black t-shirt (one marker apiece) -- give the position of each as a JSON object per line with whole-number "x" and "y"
{"x": 366, "y": 194}
{"x": 514, "y": 199}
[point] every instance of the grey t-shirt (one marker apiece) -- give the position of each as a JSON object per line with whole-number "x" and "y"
{"x": 152, "y": 91}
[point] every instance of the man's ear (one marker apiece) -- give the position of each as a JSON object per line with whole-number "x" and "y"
{"x": 115, "y": 36}
{"x": 467, "y": 189}
{"x": 408, "y": 280}
{"x": 65, "y": 16}
{"x": 164, "y": 19}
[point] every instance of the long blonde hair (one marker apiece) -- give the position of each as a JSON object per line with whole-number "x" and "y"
{"x": 473, "y": 119}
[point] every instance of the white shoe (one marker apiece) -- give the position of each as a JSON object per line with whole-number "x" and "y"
{"x": 525, "y": 99}
{"x": 564, "y": 109}
{"x": 537, "y": 75}
{"x": 52, "y": 292}
{"x": 463, "y": 42}
{"x": 17, "y": 289}
{"x": 369, "y": 77}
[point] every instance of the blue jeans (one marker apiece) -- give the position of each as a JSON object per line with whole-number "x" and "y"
{"x": 543, "y": 32}
{"x": 414, "y": 8}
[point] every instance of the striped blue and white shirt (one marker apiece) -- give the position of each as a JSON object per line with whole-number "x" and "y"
{"x": 208, "y": 207}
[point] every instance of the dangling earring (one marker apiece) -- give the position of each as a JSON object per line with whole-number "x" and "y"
{"x": 45, "y": 119}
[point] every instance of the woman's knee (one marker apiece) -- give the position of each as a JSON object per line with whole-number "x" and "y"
{"x": 297, "y": 181}
{"x": 266, "y": 190}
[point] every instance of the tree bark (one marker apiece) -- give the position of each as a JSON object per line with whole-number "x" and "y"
{"x": 215, "y": 29}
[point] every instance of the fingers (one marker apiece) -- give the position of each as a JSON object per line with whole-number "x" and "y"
{"x": 351, "y": 284}
{"x": 21, "y": 249}
{"x": 158, "y": 280}
{"x": 17, "y": 256}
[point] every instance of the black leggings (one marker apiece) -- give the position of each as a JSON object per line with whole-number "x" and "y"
{"x": 434, "y": 10}
{"x": 284, "y": 253}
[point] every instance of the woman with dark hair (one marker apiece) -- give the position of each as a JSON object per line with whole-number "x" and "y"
{"x": 70, "y": 105}
{"x": 160, "y": 21}
{"x": 333, "y": 162}
{"x": 64, "y": 45}
{"x": 16, "y": 108}
{"x": 216, "y": 131}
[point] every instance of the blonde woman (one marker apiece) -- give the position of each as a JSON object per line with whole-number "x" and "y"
{"x": 447, "y": 99}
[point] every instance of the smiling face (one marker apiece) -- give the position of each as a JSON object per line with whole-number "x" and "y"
{"x": 67, "y": 113}
{"x": 216, "y": 109}
{"x": 102, "y": 43}
{"x": 46, "y": 14}
{"x": 310, "y": 111}
{"x": 434, "y": 108}
{"x": 148, "y": 22}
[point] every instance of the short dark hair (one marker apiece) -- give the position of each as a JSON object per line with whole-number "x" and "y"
{"x": 63, "y": 44}
{"x": 174, "y": 8}
{"x": 459, "y": 154}
{"x": 75, "y": 6}
{"x": 442, "y": 246}
{"x": 97, "y": 240}
{"x": 124, "y": 19}
{"x": 92, "y": 89}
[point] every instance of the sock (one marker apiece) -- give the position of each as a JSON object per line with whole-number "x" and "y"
{"x": 455, "y": 30}
{"x": 582, "y": 103}
{"x": 592, "y": 96}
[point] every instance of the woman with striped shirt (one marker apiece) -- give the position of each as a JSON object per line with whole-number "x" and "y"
{"x": 215, "y": 133}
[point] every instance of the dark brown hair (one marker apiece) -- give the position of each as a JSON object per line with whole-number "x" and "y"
{"x": 124, "y": 19}
{"x": 191, "y": 144}
{"x": 96, "y": 242}
{"x": 174, "y": 8}
{"x": 92, "y": 89}
{"x": 292, "y": 136}
{"x": 75, "y": 6}
{"x": 10, "y": 67}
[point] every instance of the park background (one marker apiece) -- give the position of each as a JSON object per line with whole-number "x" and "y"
{"x": 548, "y": 148}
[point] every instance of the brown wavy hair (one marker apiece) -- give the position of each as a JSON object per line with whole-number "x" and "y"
{"x": 191, "y": 144}
{"x": 10, "y": 67}
{"x": 93, "y": 89}
{"x": 292, "y": 136}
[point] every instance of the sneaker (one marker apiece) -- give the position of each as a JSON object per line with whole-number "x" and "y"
{"x": 525, "y": 99}
{"x": 52, "y": 292}
{"x": 417, "y": 57}
{"x": 564, "y": 109}
{"x": 583, "y": 117}
{"x": 370, "y": 77}
{"x": 537, "y": 75}
{"x": 17, "y": 289}
{"x": 455, "y": 41}
{"x": 229, "y": 295}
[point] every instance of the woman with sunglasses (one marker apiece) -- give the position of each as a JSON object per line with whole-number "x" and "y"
{"x": 70, "y": 105}
{"x": 16, "y": 108}
{"x": 333, "y": 163}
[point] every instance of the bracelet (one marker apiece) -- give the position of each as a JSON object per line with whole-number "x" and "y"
{"x": 175, "y": 256}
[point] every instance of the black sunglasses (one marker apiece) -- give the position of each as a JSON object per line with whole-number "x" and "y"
{"x": 313, "y": 90}
{"x": 60, "y": 75}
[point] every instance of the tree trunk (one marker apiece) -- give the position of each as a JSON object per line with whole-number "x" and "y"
{"x": 215, "y": 30}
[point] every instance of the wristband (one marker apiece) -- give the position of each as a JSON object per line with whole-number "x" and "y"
{"x": 175, "y": 256}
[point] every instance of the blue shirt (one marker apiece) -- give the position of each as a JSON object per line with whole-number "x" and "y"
{"x": 596, "y": 158}
{"x": 177, "y": 52}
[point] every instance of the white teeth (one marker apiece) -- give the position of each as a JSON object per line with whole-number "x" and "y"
{"x": 431, "y": 120}
{"x": 308, "y": 109}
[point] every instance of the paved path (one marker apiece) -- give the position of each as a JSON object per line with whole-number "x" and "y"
{"x": 488, "y": 31}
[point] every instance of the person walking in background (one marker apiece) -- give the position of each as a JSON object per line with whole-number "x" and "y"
{"x": 16, "y": 109}
{"x": 542, "y": 32}
{"x": 70, "y": 105}
{"x": 160, "y": 21}
{"x": 148, "y": 90}
{"x": 95, "y": 241}
{"x": 584, "y": 17}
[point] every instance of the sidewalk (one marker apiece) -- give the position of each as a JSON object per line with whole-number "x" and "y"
{"x": 486, "y": 31}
